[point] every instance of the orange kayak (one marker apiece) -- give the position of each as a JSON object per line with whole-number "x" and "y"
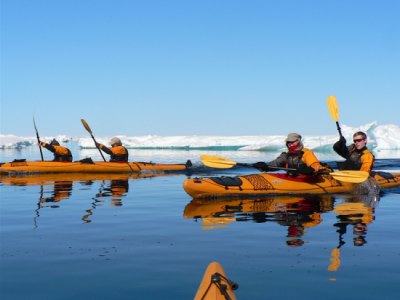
{"x": 22, "y": 166}
{"x": 278, "y": 184}
{"x": 215, "y": 285}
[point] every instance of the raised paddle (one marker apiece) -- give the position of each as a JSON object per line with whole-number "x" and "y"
{"x": 334, "y": 112}
{"x": 86, "y": 125}
{"x": 219, "y": 162}
{"x": 38, "y": 138}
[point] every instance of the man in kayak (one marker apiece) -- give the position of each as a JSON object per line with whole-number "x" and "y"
{"x": 357, "y": 155}
{"x": 61, "y": 153}
{"x": 118, "y": 152}
{"x": 297, "y": 157}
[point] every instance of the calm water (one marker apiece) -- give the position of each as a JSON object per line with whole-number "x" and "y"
{"x": 145, "y": 238}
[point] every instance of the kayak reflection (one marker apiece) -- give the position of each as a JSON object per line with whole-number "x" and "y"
{"x": 50, "y": 178}
{"x": 296, "y": 213}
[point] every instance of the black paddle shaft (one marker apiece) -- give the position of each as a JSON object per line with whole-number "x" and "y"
{"x": 338, "y": 128}
{"x": 271, "y": 167}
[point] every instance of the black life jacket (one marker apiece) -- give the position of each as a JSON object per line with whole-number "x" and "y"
{"x": 353, "y": 160}
{"x": 294, "y": 160}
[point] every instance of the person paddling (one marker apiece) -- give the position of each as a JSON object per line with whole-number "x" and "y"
{"x": 118, "y": 152}
{"x": 357, "y": 155}
{"x": 61, "y": 153}
{"x": 297, "y": 157}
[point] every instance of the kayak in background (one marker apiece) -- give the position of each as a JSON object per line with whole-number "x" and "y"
{"x": 88, "y": 166}
{"x": 279, "y": 184}
{"x": 215, "y": 285}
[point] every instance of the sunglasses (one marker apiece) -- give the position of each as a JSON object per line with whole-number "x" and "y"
{"x": 357, "y": 140}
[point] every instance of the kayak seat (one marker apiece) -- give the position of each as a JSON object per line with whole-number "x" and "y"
{"x": 19, "y": 160}
{"x": 87, "y": 160}
{"x": 227, "y": 181}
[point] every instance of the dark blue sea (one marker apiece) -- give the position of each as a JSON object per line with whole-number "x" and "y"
{"x": 145, "y": 238}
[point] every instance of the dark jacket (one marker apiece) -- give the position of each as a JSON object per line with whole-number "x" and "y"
{"x": 60, "y": 153}
{"x": 118, "y": 153}
{"x": 362, "y": 159}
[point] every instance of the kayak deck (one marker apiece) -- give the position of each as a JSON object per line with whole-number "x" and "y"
{"x": 215, "y": 285}
{"x": 277, "y": 184}
{"x": 22, "y": 166}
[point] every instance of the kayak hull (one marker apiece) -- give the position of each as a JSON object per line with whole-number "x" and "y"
{"x": 82, "y": 167}
{"x": 274, "y": 184}
{"x": 215, "y": 276}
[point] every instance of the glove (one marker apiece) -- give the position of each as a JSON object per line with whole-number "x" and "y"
{"x": 305, "y": 170}
{"x": 323, "y": 172}
{"x": 262, "y": 166}
{"x": 97, "y": 145}
{"x": 342, "y": 140}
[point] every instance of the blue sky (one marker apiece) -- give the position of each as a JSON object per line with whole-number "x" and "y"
{"x": 209, "y": 67}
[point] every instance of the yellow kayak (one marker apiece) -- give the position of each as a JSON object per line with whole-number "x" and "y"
{"x": 215, "y": 285}
{"x": 22, "y": 166}
{"x": 278, "y": 184}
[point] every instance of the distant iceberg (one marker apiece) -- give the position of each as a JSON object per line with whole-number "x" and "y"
{"x": 380, "y": 137}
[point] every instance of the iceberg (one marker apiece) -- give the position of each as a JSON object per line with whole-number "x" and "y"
{"x": 380, "y": 138}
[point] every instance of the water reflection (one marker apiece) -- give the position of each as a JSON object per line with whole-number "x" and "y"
{"x": 114, "y": 190}
{"x": 61, "y": 190}
{"x": 55, "y": 188}
{"x": 357, "y": 211}
{"x": 297, "y": 213}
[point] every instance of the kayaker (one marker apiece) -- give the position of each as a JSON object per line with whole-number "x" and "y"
{"x": 61, "y": 153}
{"x": 357, "y": 155}
{"x": 297, "y": 157}
{"x": 118, "y": 152}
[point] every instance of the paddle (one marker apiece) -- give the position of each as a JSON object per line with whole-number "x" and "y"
{"x": 334, "y": 111}
{"x": 219, "y": 162}
{"x": 86, "y": 125}
{"x": 38, "y": 138}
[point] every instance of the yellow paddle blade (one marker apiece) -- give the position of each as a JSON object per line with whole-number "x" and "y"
{"x": 86, "y": 125}
{"x": 214, "y": 161}
{"x": 335, "y": 260}
{"x": 350, "y": 176}
{"x": 333, "y": 108}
